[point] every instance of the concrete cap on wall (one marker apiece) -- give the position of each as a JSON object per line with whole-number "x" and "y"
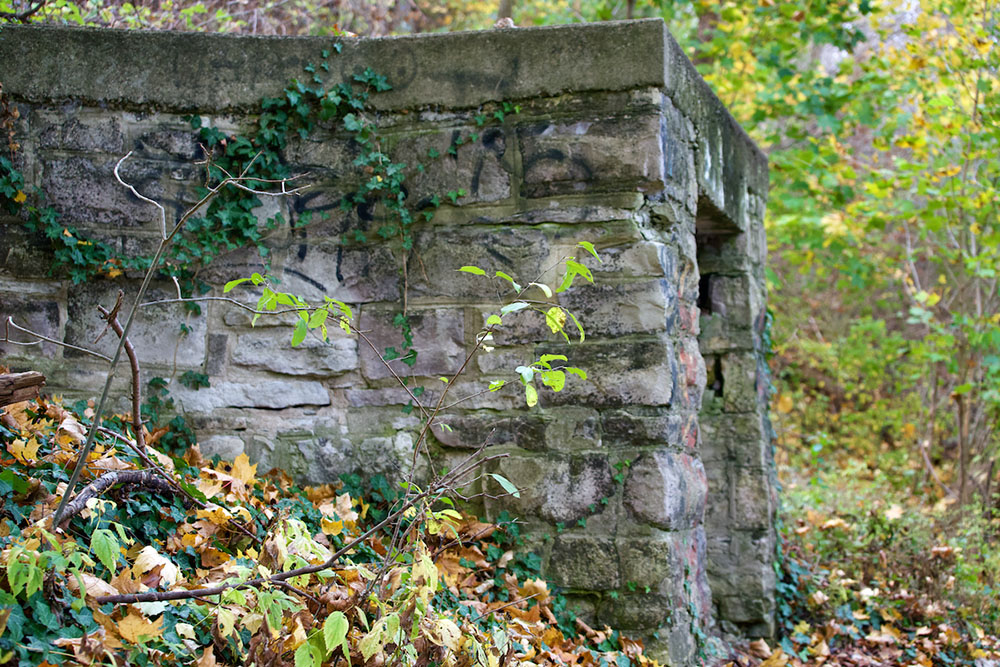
{"x": 212, "y": 73}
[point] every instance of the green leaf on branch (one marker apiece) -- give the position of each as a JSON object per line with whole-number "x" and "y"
{"x": 513, "y": 307}
{"x": 545, "y": 289}
{"x": 233, "y": 283}
{"x": 530, "y": 395}
{"x": 555, "y": 318}
{"x": 573, "y": 269}
{"x": 335, "y": 631}
{"x": 299, "y": 335}
{"x": 501, "y": 274}
{"x": 506, "y": 484}
{"x": 555, "y": 380}
{"x": 589, "y": 247}
{"x": 473, "y": 269}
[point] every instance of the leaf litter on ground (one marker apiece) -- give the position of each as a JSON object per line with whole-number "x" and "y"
{"x": 458, "y": 593}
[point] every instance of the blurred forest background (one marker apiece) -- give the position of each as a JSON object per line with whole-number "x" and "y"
{"x": 881, "y": 121}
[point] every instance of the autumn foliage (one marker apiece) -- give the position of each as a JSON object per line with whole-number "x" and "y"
{"x": 98, "y": 589}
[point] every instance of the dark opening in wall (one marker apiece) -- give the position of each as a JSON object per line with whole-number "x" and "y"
{"x": 705, "y": 294}
{"x": 715, "y": 381}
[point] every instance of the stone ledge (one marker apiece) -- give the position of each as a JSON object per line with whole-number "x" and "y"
{"x": 202, "y": 72}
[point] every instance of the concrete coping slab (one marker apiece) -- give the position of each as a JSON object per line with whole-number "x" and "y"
{"x": 218, "y": 73}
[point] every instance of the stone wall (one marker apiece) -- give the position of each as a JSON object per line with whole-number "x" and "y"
{"x": 650, "y": 520}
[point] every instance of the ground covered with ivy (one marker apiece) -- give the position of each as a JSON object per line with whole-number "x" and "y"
{"x": 460, "y": 593}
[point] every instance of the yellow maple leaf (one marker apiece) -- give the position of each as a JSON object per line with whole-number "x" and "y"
{"x": 20, "y": 197}
{"x": 134, "y": 627}
{"x": 242, "y": 470}
{"x": 331, "y": 527}
{"x": 24, "y": 451}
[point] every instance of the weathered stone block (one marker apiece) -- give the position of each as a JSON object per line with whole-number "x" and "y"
{"x": 518, "y": 251}
{"x": 84, "y": 190}
{"x": 472, "y": 429}
{"x": 609, "y": 309}
{"x": 557, "y": 429}
{"x": 555, "y": 489}
{"x": 751, "y": 498}
{"x": 265, "y": 394}
{"x": 634, "y": 258}
{"x": 638, "y": 611}
{"x": 328, "y": 151}
{"x": 667, "y": 490}
{"x": 163, "y": 138}
{"x": 227, "y": 447}
{"x": 352, "y": 274}
{"x": 326, "y": 457}
{"x": 23, "y": 255}
{"x": 33, "y": 310}
{"x": 271, "y": 349}
{"x": 737, "y": 437}
{"x": 156, "y": 332}
{"x": 480, "y": 168}
{"x": 717, "y": 517}
{"x": 584, "y": 562}
{"x": 693, "y": 375}
{"x": 438, "y": 338}
{"x": 632, "y": 372}
{"x": 91, "y": 132}
{"x": 638, "y": 427}
{"x": 739, "y": 372}
{"x": 595, "y": 154}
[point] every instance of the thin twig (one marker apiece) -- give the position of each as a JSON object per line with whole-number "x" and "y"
{"x": 442, "y": 485}
{"x": 502, "y": 607}
{"x": 10, "y": 323}
{"x": 112, "y": 319}
{"x": 163, "y": 211}
{"x": 99, "y": 411}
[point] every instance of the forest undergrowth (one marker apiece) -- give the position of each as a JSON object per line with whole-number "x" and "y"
{"x": 461, "y": 595}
